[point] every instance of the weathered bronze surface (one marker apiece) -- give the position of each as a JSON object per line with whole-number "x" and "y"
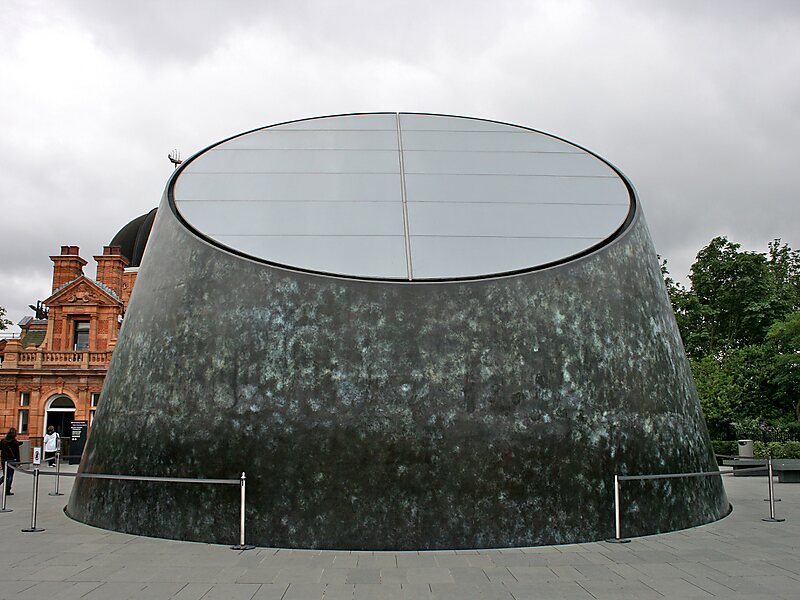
{"x": 397, "y": 415}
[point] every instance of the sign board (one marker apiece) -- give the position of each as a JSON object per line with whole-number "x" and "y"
{"x": 77, "y": 441}
{"x": 37, "y": 455}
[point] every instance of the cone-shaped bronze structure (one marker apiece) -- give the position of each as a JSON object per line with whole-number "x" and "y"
{"x": 411, "y": 332}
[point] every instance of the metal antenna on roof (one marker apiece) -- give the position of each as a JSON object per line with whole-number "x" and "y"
{"x": 40, "y": 309}
{"x": 175, "y": 158}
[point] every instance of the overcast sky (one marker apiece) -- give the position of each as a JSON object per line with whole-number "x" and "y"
{"x": 698, "y": 103}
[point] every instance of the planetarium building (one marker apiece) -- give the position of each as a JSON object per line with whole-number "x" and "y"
{"x": 411, "y": 331}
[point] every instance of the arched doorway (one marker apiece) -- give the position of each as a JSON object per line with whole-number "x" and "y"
{"x": 60, "y": 412}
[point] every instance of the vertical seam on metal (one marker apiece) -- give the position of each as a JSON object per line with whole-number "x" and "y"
{"x": 406, "y": 234}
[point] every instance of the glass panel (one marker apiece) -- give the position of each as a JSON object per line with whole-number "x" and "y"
{"x": 369, "y": 121}
{"x": 23, "y": 421}
{"x": 511, "y": 188}
{"x": 514, "y": 220}
{"x": 81, "y": 341}
{"x": 367, "y": 256}
{"x": 296, "y": 161}
{"x": 278, "y": 138}
{"x": 505, "y": 163}
{"x": 325, "y": 187}
{"x": 444, "y": 257}
{"x": 295, "y": 218}
{"x": 438, "y": 122}
{"x": 25, "y": 399}
{"x": 506, "y": 141}
{"x": 62, "y": 402}
{"x": 325, "y": 194}
{"x": 95, "y": 399}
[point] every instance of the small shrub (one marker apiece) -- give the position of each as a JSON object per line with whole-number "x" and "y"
{"x": 779, "y": 430}
{"x": 759, "y": 449}
{"x": 785, "y": 450}
{"x": 777, "y": 449}
{"x": 748, "y": 429}
{"x": 727, "y": 447}
{"x": 792, "y": 429}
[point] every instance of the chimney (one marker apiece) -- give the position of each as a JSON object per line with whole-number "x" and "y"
{"x": 67, "y": 266}
{"x": 110, "y": 268}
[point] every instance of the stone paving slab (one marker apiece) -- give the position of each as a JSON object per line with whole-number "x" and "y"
{"x": 740, "y": 556}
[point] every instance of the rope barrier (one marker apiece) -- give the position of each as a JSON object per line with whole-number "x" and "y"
{"x": 620, "y": 478}
{"x": 36, "y": 473}
{"x": 137, "y": 478}
{"x": 670, "y": 475}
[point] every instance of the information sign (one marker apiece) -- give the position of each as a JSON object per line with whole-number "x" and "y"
{"x": 77, "y": 441}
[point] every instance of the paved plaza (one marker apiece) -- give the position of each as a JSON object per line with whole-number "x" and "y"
{"x": 738, "y": 557}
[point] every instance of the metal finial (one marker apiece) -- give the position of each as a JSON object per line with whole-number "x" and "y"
{"x": 175, "y": 158}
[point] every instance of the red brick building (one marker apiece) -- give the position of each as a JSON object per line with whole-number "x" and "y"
{"x": 53, "y": 373}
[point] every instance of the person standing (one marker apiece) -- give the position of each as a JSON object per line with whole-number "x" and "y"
{"x": 9, "y": 451}
{"x": 51, "y": 442}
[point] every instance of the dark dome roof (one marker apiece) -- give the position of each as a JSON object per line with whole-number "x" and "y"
{"x": 132, "y": 238}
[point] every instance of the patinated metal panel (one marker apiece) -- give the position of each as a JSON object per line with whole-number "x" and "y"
{"x": 390, "y": 415}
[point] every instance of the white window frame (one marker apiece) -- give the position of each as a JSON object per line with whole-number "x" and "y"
{"x": 26, "y": 413}
{"x": 77, "y": 328}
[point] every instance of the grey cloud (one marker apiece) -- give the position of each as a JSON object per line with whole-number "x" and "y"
{"x": 187, "y": 31}
{"x": 695, "y": 101}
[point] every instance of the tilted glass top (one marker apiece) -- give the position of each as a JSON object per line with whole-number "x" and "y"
{"x": 402, "y": 196}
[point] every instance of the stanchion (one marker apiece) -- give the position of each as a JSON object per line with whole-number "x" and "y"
{"x": 771, "y": 518}
{"x": 55, "y": 492}
{"x": 5, "y": 483}
{"x": 773, "y": 499}
{"x": 617, "y": 539}
{"x": 243, "y": 494}
{"x": 34, "y": 503}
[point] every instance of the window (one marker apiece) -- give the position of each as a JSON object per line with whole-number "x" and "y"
{"x": 62, "y": 402}
{"x": 81, "y": 336}
{"x": 23, "y": 421}
{"x": 25, "y": 399}
{"x": 92, "y": 411}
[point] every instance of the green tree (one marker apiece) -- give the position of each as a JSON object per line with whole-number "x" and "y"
{"x": 4, "y": 323}
{"x": 784, "y": 336}
{"x": 687, "y": 312}
{"x": 740, "y": 323}
{"x": 738, "y": 386}
{"x": 784, "y": 266}
{"x": 735, "y": 295}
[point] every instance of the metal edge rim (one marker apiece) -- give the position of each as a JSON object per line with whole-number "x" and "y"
{"x": 633, "y": 210}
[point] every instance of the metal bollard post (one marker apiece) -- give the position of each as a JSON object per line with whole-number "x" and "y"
{"x": 34, "y": 503}
{"x": 617, "y": 539}
{"x": 771, "y": 518}
{"x": 58, "y": 473}
{"x": 773, "y": 499}
{"x": 5, "y": 483}
{"x": 243, "y": 496}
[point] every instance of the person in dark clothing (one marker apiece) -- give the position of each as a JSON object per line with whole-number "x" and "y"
{"x": 9, "y": 451}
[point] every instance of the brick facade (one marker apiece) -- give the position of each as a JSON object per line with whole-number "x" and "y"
{"x": 65, "y": 358}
